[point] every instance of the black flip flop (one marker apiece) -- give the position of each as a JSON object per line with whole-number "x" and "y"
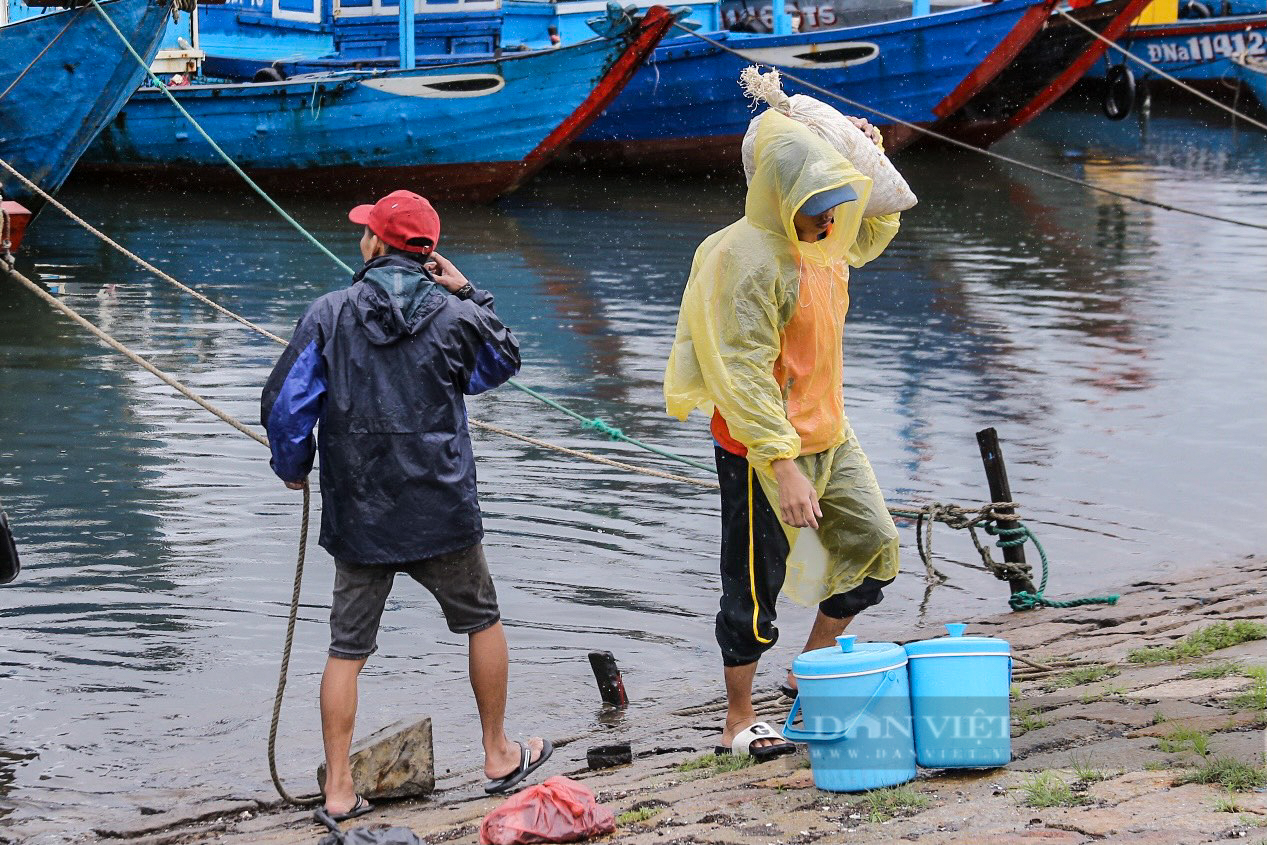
{"x": 360, "y": 808}
{"x": 526, "y": 767}
{"x": 787, "y": 691}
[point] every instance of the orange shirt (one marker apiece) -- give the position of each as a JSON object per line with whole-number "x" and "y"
{"x": 808, "y": 369}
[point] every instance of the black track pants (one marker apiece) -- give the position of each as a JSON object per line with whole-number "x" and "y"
{"x": 754, "y": 553}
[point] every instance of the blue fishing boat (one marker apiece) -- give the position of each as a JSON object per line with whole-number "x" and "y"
{"x": 1199, "y": 50}
{"x": 467, "y": 131}
{"x": 683, "y": 110}
{"x": 63, "y": 75}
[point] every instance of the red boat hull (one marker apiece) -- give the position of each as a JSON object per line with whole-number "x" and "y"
{"x": 12, "y": 225}
{"x": 1040, "y": 75}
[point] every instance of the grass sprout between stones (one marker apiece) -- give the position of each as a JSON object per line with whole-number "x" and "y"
{"x": 1084, "y": 772}
{"x": 1080, "y": 677}
{"x": 1026, "y": 719}
{"x": 1199, "y": 643}
{"x": 1220, "y": 671}
{"x": 1227, "y": 805}
{"x": 1106, "y": 691}
{"x": 639, "y": 815}
{"x": 717, "y": 763}
{"x": 1185, "y": 739}
{"x": 1256, "y": 698}
{"x": 1235, "y": 775}
{"x": 881, "y": 805}
{"x": 1049, "y": 789}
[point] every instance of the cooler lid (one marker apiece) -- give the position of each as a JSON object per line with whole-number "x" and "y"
{"x": 957, "y": 644}
{"x": 849, "y": 657}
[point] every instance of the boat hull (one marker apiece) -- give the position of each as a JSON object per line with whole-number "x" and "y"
{"x": 1048, "y": 67}
{"x": 87, "y": 70}
{"x": 468, "y": 132}
{"x": 1253, "y": 75}
{"x": 685, "y": 109}
{"x": 1200, "y": 50}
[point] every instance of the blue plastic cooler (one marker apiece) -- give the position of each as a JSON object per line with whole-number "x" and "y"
{"x": 960, "y": 701}
{"x": 856, "y": 715}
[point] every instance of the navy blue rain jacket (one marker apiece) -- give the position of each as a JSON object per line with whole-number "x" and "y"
{"x": 397, "y": 470}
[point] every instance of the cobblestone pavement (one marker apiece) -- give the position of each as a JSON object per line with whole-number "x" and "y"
{"x": 1101, "y": 744}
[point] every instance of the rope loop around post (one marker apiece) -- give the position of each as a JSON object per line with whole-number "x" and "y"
{"x": 1018, "y": 535}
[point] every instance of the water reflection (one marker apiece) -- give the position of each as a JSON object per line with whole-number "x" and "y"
{"x": 1113, "y": 346}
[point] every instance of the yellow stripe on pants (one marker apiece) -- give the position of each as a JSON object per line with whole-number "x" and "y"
{"x": 752, "y": 573}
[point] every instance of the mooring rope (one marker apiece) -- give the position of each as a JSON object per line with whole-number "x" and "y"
{"x": 301, "y": 800}
{"x": 211, "y": 303}
{"x": 964, "y": 145}
{"x": 1018, "y": 535}
{"x": 1154, "y": 69}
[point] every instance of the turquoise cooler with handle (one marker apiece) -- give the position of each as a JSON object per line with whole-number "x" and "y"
{"x": 960, "y": 700}
{"x": 855, "y": 707}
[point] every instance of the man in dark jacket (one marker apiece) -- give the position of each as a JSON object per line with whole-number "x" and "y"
{"x": 382, "y": 366}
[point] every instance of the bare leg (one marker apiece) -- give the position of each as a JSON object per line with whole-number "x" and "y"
{"x": 822, "y": 635}
{"x": 338, "y": 719}
{"x": 489, "y": 670}
{"x": 739, "y": 711}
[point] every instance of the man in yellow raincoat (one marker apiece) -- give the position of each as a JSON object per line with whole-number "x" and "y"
{"x": 759, "y": 346}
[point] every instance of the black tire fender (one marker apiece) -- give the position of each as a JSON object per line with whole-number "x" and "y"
{"x": 1119, "y": 92}
{"x": 268, "y": 74}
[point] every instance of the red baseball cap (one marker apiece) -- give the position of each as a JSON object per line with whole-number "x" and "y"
{"x": 401, "y": 219}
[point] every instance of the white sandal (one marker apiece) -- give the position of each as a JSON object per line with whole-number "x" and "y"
{"x": 743, "y": 742}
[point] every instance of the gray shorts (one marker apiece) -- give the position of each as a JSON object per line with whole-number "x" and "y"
{"x": 459, "y": 581}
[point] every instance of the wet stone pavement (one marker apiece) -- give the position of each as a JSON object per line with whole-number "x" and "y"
{"x": 1102, "y": 746}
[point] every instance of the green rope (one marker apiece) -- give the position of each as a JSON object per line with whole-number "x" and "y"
{"x": 163, "y": 88}
{"x": 1018, "y": 534}
{"x": 599, "y": 425}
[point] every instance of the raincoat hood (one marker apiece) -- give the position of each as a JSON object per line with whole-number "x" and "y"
{"x": 396, "y": 298}
{"x": 791, "y": 165}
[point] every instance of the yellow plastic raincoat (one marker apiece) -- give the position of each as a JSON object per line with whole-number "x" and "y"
{"x": 759, "y": 340}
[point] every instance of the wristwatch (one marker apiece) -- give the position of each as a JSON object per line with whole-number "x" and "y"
{"x": 465, "y": 292}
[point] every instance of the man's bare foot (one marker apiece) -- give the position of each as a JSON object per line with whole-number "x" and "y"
{"x": 337, "y": 805}
{"x": 507, "y": 758}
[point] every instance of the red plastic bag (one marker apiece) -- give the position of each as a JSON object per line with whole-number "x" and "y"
{"x": 557, "y": 810}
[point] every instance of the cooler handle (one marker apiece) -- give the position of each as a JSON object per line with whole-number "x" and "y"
{"x": 799, "y": 735}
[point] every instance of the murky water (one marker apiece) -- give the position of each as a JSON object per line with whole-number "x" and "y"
{"x": 1118, "y": 349}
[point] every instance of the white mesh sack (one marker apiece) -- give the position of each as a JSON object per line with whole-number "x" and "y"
{"x": 889, "y": 191}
